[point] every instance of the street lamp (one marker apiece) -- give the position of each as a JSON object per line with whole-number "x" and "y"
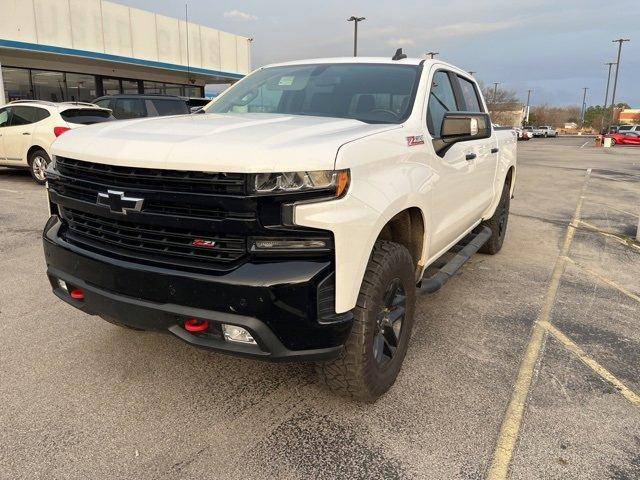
{"x": 620, "y": 41}
{"x": 528, "y": 104}
{"x": 495, "y": 91}
{"x": 355, "y": 21}
{"x": 584, "y": 106}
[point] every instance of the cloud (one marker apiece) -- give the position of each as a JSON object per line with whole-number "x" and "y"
{"x": 238, "y": 15}
{"x": 474, "y": 28}
{"x": 400, "y": 42}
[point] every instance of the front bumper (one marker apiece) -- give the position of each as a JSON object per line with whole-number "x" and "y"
{"x": 275, "y": 301}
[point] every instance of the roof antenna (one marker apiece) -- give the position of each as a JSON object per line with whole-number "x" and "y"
{"x": 398, "y": 55}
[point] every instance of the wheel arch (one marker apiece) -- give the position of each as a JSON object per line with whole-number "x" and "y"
{"x": 407, "y": 228}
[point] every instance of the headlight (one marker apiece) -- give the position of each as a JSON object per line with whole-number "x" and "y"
{"x": 336, "y": 181}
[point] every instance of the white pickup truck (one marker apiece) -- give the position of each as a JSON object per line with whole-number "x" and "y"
{"x": 293, "y": 219}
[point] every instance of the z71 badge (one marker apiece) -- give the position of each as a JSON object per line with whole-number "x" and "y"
{"x": 415, "y": 140}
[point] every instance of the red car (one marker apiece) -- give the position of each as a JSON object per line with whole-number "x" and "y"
{"x": 628, "y": 138}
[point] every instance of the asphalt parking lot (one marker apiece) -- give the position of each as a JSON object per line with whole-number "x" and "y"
{"x": 526, "y": 365}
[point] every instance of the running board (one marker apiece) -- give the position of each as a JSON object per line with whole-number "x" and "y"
{"x": 435, "y": 282}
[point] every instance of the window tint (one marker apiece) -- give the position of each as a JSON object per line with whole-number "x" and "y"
{"x": 441, "y": 101}
{"x": 170, "y": 107}
{"x": 470, "y": 95}
{"x": 104, "y": 103}
{"x": 85, "y": 116}
{"x": 129, "y": 108}
{"x": 22, "y": 116}
{"x": 4, "y": 117}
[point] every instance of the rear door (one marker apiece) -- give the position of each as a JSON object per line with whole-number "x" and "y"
{"x": 17, "y": 136}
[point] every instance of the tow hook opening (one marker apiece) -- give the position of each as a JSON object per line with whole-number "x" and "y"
{"x": 196, "y": 325}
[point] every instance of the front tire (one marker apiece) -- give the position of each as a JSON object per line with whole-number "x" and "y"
{"x": 498, "y": 223}
{"x": 383, "y": 320}
{"x": 38, "y": 162}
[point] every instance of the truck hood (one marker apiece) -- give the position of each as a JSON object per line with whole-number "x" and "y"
{"x": 243, "y": 143}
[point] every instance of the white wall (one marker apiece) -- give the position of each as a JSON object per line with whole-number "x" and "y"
{"x": 100, "y": 26}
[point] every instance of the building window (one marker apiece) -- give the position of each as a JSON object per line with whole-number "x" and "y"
{"x": 17, "y": 84}
{"x": 48, "y": 85}
{"x": 80, "y": 88}
{"x": 110, "y": 86}
{"x": 130, "y": 87}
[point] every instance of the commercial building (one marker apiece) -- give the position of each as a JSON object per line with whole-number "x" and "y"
{"x": 629, "y": 116}
{"x": 77, "y": 50}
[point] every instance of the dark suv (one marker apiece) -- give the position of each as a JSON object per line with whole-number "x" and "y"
{"x": 139, "y": 106}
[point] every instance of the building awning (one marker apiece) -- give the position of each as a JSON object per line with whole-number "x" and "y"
{"x": 206, "y": 74}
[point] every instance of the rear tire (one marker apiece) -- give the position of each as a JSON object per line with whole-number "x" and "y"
{"x": 383, "y": 320}
{"x": 38, "y": 162}
{"x": 498, "y": 223}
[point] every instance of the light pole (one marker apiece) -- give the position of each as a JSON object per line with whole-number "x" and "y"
{"x": 495, "y": 91}
{"x": 606, "y": 96}
{"x": 528, "y": 104}
{"x": 432, "y": 55}
{"x": 584, "y": 106}
{"x": 620, "y": 41}
{"x": 355, "y": 21}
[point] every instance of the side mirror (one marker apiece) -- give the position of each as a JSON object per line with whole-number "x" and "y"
{"x": 462, "y": 127}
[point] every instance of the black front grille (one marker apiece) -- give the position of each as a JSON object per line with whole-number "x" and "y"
{"x": 160, "y": 244}
{"x": 153, "y": 179}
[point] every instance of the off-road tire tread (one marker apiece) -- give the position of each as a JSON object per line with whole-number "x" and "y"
{"x": 494, "y": 244}
{"x": 348, "y": 374}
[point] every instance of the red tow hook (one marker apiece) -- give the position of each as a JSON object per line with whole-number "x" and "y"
{"x": 77, "y": 294}
{"x": 195, "y": 325}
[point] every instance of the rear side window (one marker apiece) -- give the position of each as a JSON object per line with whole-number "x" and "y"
{"x": 85, "y": 116}
{"x": 169, "y": 107}
{"x": 441, "y": 101}
{"x": 104, "y": 103}
{"x": 470, "y": 95}
{"x": 129, "y": 108}
{"x": 22, "y": 116}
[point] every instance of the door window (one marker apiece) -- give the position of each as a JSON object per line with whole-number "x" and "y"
{"x": 129, "y": 108}
{"x": 470, "y": 96}
{"x": 22, "y": 116}
{"x": 4, "y": 117}
{"x": 441, "y": 101}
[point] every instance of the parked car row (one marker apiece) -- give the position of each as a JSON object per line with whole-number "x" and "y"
{"x": 29, "y": 127}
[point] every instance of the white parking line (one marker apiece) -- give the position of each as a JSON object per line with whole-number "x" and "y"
{"x": 7, "y": 190}
{"x": 585, "y": 144}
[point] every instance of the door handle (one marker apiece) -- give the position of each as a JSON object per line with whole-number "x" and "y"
{"x": 26, "y": 133}
{"x": 471, "y": 156}
{"x": 495, "y": 150}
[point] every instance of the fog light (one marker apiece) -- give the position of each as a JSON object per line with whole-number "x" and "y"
{"x": 233, "y": 333}
{"x": 63, "y": 285}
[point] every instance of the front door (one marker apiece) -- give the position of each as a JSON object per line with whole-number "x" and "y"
{"x": 455, "y": 207}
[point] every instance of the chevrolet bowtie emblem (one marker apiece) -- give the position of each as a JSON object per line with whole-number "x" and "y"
{"x": 117, "y": 202}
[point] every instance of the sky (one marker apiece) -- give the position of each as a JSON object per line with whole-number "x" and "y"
{"x": 555, "y": 47}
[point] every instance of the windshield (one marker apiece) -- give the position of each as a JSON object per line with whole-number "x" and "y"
{"x": 371, "y": 93}
{"x": 625, "y": 127}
